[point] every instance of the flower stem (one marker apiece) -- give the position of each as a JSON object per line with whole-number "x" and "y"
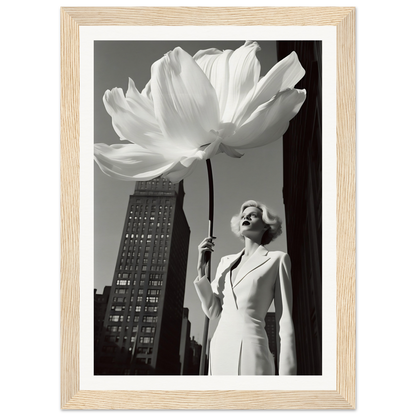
{"x": 211, "y": 199}
{"x": 208, "y": 261}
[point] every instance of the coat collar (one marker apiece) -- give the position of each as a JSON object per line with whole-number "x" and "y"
{"x": 261, "y": 251}
{"x": 259, "y": 257}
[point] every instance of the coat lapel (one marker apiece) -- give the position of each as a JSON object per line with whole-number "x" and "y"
{"x": 255, "y": 261}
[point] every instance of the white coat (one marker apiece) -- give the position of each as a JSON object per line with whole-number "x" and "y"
{"x": 240, "y": 344}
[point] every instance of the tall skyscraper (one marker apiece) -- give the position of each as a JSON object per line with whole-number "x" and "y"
{"x": 302, "y": 192}
{"x": 142, "y": 325}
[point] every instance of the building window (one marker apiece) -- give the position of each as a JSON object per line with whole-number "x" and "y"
{"x": 146, "y": 340}
{"x": 158, "y": 268}
{"x": 148, "y": 329}
{"x": 123, "y": 283}
{"x": 152, "y": 299}
{"x": 114, "y": 328}
{"x": 116, "y": 318}
{"x": 150, "y": 318}
{"x": 154, "y": 276}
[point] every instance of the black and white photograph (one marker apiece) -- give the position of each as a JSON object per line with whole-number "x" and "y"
{"x": 208, "y": 162}
{"x": 207, "y": 208}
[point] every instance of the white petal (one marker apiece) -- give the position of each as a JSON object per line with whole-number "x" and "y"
{"x": 179, "y": 172}
{"x": 285, "y": 74}
{"x": 140, "y": 128}
{"x": 229, "y": 151}
{"x": 147, "y": 92}
{"x": 186, "y": 166}
{"x": 186, "y": 105}
{"x": 139, "y": 103}
{"x": 273, "y": 117}
{"x": 215, "y": 65}
{"x": 130, "y": 163}
{"x": 203, "y": 153}
{"x": 244, "y": 72}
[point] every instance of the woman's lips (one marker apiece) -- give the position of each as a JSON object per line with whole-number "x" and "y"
{"x": 246, "y": 223}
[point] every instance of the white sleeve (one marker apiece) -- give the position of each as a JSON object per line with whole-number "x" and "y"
{"x": 210, "y": 301}
{"x": 285, "y": 329}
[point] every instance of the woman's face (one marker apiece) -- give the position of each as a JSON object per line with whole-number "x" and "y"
{"x": 251, "y": 223}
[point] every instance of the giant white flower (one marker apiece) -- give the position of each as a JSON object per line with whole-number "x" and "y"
{"x": 195, "y": 107}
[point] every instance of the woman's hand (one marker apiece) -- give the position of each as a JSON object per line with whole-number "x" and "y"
{"x": 203, "y": 249}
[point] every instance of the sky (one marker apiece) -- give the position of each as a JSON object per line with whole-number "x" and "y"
{"x": 257, "y": 175}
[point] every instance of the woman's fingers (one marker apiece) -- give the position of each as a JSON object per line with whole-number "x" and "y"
{"x": 203, "y": 249}
{"x": 207, "y": 241}
{"x": 206, "y": 246}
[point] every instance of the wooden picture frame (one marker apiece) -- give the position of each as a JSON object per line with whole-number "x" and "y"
{"x": 72, "y": 397}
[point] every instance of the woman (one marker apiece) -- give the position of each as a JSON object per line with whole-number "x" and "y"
{"x": 241, "y": 294}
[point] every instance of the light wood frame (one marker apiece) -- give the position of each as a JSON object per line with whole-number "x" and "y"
{"x": 71, "y": 396}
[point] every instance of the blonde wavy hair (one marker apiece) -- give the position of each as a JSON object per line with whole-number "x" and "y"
{"x": 270, "y": 218}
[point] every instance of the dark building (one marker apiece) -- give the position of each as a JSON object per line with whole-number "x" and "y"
{"x": 302, "y": 193}
{"x": 270, "y": 327}
{"x": 184, "y": 350}
{"x": 100, "y": 307}
{"x": 143, "y": 320}
{"x": 195, "y": 358}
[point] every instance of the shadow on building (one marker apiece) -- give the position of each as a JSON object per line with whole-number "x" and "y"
{"x": 302, "y": 193}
